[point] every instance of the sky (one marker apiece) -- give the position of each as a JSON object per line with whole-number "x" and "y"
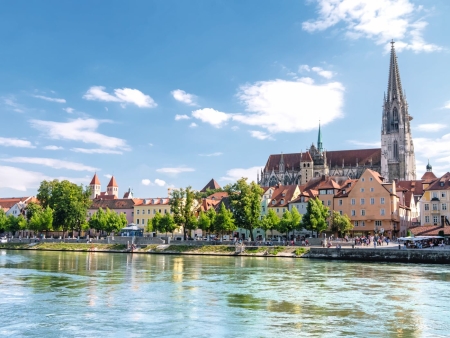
{"x": 170, "y": 93}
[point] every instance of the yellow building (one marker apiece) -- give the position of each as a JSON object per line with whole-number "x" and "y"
{"x": 434, "y": 204}
{"x": 280, "y": 198}
{"x": 147, "y": 208}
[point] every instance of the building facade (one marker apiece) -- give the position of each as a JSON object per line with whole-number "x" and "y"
{"x": 435, "y": 202}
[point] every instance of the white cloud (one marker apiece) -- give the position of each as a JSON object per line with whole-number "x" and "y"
{"x": 234, "y": 128}
{"x": 51, "y": 99}
{"x": 150, "y": 144}
{"x": 15, "y": 142}
{"x": 108, "y": 176}
{"x": 12, "y": 102}
{"x": 236, "y": 174}
{"x": 304, "y": 68}
{"x": 380, "y": 20}
{"x": 53, "y": 148}
{"x": 160, "y": 183}
{"x": 306, "y": 80}
{"x": 212, "y": 154}
{"x": 146, "y": 181}
{"x": 22, "y": 180}
{"x": 69, "y": 110}
{"x": 84, "y": 130}
{"x": 96, "y": 151}
{"x": 260, "y": 135}
{"x": 211, "y": 116}
{"x": 51, "y": 162}
{"x": 177, "y": 170}
{"x": 290, "y": 106}
{"x": 193, "y": 125}
{"x": 376, "y": 144}
{"x": 182, "y": 96}
{"x": 123, "y": 95}
{"x": 324, "y": 73}
{"x": 181, "y": 117}
{"x": 431, "y": 127}
{"x": 429, "y": 147}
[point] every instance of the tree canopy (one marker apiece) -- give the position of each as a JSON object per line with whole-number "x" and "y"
{"x": 315, "y": 218}
{"x": 245, "y": 200}
{"x": 340, "y": 223}
{"x": 183, "y": 207}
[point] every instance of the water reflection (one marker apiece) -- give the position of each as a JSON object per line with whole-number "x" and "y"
{"x": 82, "y": 294}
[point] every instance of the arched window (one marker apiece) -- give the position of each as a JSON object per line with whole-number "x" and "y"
{"x": 395, "y": 150}
{"x": 395, "y": 119}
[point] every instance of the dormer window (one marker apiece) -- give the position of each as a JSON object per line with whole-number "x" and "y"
{"x": 442, "y": 184}
{"x": 283, "y": 194}
{"x": 282, "y": 201}
{"x": 274, "y": 201}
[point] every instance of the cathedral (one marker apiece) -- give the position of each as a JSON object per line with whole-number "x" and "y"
{"x": 394, "y": 160}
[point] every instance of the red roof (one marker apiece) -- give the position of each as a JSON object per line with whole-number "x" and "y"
{"x": 7, "y": 203}
{"x": 282, "y": 193}
{"x": 291, "y": 161}
{"x": 211, "y": 185}
{"x": 95, "y": 180}
{"x": 123, "y": 203}
{"x": 431, "y": 230}
{"x": 218, "y": 195}
{"x": 429, "y": 176}
{"x": 442, "y": 183}
{"x": 112, "y": 182}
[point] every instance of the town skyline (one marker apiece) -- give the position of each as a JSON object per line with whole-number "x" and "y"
{"x": 190, "y": 113}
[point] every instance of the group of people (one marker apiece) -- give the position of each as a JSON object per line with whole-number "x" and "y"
{"x": 377, "y": 240}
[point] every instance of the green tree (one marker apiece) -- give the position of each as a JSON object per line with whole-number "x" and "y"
{"x": 114, "y": 221}
{"x": 15, "y": 224}
{"x": 183, "y": 206}
{"x": 224, "y": 221}
{"x": 3, "y": 221}
{"x": 340, "y": 223}
{"x": 168, "y": 224}
{"x": 98, "y": 220}
{"x": 296, "y": 219}
{"x": 270, "y": 221}
{"x": 156, "y": 223}
{"x": 204, "y": 222}
{"x": 286, "y": 223}
{"x": 245, "y": 201}
{"x": 68, "y": 201}
{"x": 149, "y": 227}
{"x": 41, "y": 220}
{"x": 32, "y": 208}
{"x": 315, "y": 218}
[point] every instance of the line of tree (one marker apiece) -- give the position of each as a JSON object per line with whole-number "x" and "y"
{"x": 164, "y": 224}
{"x": 107, "y": 221}
{"x": 218, "y": 223}
{"x": 11, "y": 223}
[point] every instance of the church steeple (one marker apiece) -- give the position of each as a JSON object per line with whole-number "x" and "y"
{"x": 395, "y": 90}
{"x": 319, "y": 140}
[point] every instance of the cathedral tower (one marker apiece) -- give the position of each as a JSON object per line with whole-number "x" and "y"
{"x": 397, "y": 149}
{"x": 112, "y": 188}
{"x": 95, "y": 186}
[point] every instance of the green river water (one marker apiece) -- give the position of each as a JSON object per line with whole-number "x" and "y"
{"x": 67, "y": 294}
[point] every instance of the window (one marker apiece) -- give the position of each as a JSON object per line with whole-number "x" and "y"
{"x": 444, "y": 206}
{"x": 363, "y": 212}
{"x": 362, "y": 223}
{"x": 137, "y": 212}
{"x": 378, "y": 223}
{"x": 353, "y": 212}
{"x": 427, "y": 219}
{"x": 165, "y": 211}
{"x": 340, "y": 202}
{"x": 435, "y": 195}
{"x": 340, "y": 212}
{"x": 282, "y": 201}
{"x": 371, "y": 179}
{"x": 89, "y": 214}
{"x": 443, "y": 195}
{"x": 382, "y": 200}
{"x": 362, "y": 179}
{"x": 143, "y": 222}
{"x": 382, "y": 213}
{"x": 362, "y": 189}
{"x": 372, "y": 200}
{"x": 159, "y": 211}
{"x": 273, "y": 201}
{"x": 435, "y": 206}
{"x": 264, "y": 209}
{"x": 137, "y": 221}
{"x": 124, "y": 212}
{"x": 395, "y": 150}
{"x": 322, "y": 192}
{"x": 154, "y": 211}
{"x": 353, "y": 201}
{"x": 148, "y": 211}
{"x": 427, "y": 206}
{"x": 355, "y": 223}
{"x": 132, "y": 213}
{"x": 362, "y": 201}
{"x": 435, "y": 219}
{"x": 371, "y": 189}
{"x": 328, "y": 202}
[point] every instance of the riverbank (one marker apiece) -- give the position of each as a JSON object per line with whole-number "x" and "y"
{"x": 178, "y": 249}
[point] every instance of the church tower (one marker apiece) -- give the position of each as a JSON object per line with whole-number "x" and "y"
{"x": 112, "y": 188}
{"x": 397, "y": 149}
{"x": 95, "y": 186}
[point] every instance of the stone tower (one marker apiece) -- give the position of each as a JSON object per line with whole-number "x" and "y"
{"x": 95, "y": 186}
{"x": 112, "y": 188}
{"x": 397, "y": 148}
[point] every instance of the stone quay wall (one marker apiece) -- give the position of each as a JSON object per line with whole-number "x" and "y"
{"x": 435, "y": 256}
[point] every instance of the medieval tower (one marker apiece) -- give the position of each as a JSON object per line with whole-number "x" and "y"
{"x": 397, "y": 149}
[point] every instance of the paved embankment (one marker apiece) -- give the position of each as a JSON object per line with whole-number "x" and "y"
{"x": 435, "y": 256}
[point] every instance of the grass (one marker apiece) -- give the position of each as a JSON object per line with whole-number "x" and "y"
{"x": 300, "y": 251}
{"x": 78, "y": 246}
{"x": 13, "y": 246}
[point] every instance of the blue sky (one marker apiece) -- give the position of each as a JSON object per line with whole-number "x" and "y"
{"x": 174, "y": 93}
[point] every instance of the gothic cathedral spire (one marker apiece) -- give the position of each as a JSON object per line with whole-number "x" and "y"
{"x": 319, "y": 141}
{"x": 398, "y": 159}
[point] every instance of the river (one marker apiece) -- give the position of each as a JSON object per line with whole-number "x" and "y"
{"x": 67, "y": 294}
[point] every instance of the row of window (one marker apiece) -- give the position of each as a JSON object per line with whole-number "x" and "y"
{"x": 435, "y": 206}
{"x": 363, "y": 212}
{"x": 435, "y": 219}
{"x": 149, "y": 211}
